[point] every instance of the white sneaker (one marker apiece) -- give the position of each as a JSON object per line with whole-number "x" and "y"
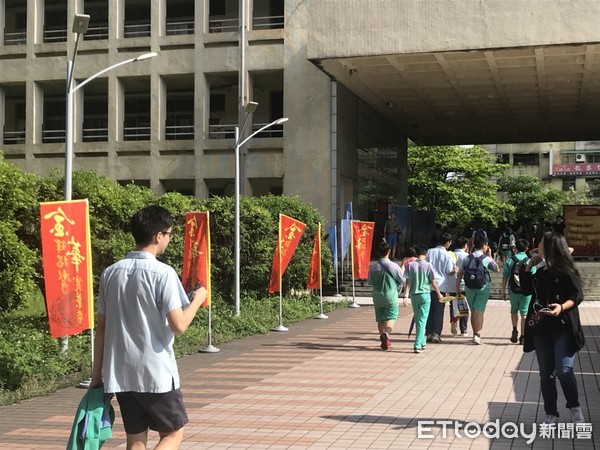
{"x": 454, "y": 328}
{"x": 465, "y": 334}
{"x": 476, "y": 340}
{"x": 436, "y": 338}
{"x": 550, "y": 420}
{"x": 577, "y": 415}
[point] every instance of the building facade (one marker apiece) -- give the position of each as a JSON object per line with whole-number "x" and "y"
{"x": 564, "y": 165}
{"x": 169, "y": 122}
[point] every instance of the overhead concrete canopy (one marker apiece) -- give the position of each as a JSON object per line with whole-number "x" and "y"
{"x": 467, "y": 71}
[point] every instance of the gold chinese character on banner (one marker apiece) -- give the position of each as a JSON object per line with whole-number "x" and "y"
{"x": 59, "y": 217}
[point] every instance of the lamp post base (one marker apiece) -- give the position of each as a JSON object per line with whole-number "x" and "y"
{"x": 353, "y": 305}
{"x": 279, "y": 328}
{"x": 210, "y": 349}
{"x": 321, "y": 316}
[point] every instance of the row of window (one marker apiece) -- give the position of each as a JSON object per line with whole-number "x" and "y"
{"x": 178, "y": 19}
{"x": 533, "y": 159}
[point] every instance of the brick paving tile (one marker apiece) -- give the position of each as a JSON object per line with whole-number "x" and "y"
{"x": 327, "y": 385}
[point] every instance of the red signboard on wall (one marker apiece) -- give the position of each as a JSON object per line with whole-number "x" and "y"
{"x": 580, "y": 169}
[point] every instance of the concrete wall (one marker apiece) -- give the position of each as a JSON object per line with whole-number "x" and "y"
{"x": 342, "y": 28}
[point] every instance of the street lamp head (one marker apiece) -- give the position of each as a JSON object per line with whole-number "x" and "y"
{"x": 146, "y": 56}
{"x": 80, "y": 23}
{"x": 251, "y": 107}
{"x": 282, "y": 120}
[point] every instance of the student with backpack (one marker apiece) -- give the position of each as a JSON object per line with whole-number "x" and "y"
{"x": 475, "y": 271}
{"x": 506, "y": 242}
{"x": 511, "y": 277}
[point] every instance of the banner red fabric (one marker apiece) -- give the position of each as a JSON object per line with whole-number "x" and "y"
{"x": 196, "y": 253}
{"x": 314, "y": 273}
{"x": 290, "y": 232}
{"x": 362, "y": 240}
{"x": 67, "y": 261}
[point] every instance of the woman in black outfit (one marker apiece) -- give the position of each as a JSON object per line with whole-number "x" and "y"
{"x": 553, "y": 328}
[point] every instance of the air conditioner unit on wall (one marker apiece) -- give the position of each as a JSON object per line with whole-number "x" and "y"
{"x": 580, "y": 157}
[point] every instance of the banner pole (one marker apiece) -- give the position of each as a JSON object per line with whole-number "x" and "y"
{"x": 336, "y": 263}
{"x": 353, "y": 304}
{"x": 209, "y": 348}
{"x": 280, "y": 327}
{"x": 321, "y": 316}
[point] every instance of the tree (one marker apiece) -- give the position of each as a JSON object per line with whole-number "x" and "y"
{"x": 531, "y": 199}
{"x": 456, "y": 183}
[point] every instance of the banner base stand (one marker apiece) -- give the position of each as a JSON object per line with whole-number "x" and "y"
{"x": 279, "y": 328}
{"x": 210, "y": 349}
{"x": 337, "y": 295}
{"x": 85, "y": 384}
{"x": 321, "y": 316}
{"x": 353, "y": 305}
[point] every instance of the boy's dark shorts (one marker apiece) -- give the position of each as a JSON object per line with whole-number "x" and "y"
{"x": 163, "y": 412}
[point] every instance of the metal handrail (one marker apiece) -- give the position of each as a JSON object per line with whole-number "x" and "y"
{"x": 95, "y": 134}
{"x": 136, "y": 132}
{"x": 15, "y": 37}
{"x": 175, "y": 28}
{"x": 96, "y": 33}
{"x": 223, "y": 25}
{"x": 266, "y": 22}
{"x": 49, "y": 136}
{"x": 179, "y": 132}
{"x": 224, "y": 131}
{"x": 273, "y": 132}
{"x": 14, "y": 137}
{"x": 137, "y": 30}
{"x": 55, "y": 35}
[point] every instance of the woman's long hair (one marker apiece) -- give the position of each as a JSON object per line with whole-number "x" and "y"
{"x": 558, "y": 257}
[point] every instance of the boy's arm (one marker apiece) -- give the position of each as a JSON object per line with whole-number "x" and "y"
{"x": 98, "y": 351}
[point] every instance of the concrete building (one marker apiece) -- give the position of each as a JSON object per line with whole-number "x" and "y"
{"x": 356, "y": 78}
{"x": 169, "y": 122}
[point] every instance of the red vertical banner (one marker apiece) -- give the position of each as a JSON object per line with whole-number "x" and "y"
{"x": 290, "y": 232}
{"x": 67, "y": 261}
{"x": 196, "y": 252}
{"x": 362, "y": 240}
{"x": 314, "y": 273}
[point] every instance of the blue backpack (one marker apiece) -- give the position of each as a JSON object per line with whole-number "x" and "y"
{"x": 475, "y": 273}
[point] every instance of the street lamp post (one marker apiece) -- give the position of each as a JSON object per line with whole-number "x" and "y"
{"x": 237, "y": 199}
{"x": 80, "y": 25}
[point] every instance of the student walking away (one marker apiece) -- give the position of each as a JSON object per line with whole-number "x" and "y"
{"x": 141, "y": 307}
{"x": 511, "y": 279}
{"x": 475, "y": 272}
{"x": 458, "y": 323}
{"x": 553, "y": 328}
{"x": 387, "y": 280}
{"x": 505, "y": 243}
{"x": 443, "y": 266}
{"x": 391, "y": 234}
{"x": 559, "y": 225}
{"x": 420, "y": 279}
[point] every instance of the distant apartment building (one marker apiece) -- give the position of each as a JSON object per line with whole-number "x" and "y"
{"x": 169, "y": 122}
{"x": 563, "y": 165}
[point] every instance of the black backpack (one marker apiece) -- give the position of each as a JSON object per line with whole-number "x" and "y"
{"x": 518, "y": 267}
{"x": 475, "y": 273}
{"x": 505, "y": 243}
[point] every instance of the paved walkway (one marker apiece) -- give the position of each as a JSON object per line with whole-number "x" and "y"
{"x": 326, "y": 384}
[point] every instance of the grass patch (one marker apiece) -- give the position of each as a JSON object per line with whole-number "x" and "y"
{"x": 31, "y": 363}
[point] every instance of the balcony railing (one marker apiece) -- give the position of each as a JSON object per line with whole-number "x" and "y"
{"x": 223, "y": 25}
{"x": 273, "y": 132}
{"x": 179, "y": 132}
{"x": 137, "y": 30}
{"x": 136, "y": 133}
{"x": 221, "y": 131}
{"x": 55, "y": 35}
{"x": 96, "y": 33}
{"x": 53, "y": 136}
{"x": 14, "y": 137}
{"x": 175, "y": 28}
{"x": 95, "y": 134}
{"x": 268, "y": 22}
{"x": 15, "y": 38}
